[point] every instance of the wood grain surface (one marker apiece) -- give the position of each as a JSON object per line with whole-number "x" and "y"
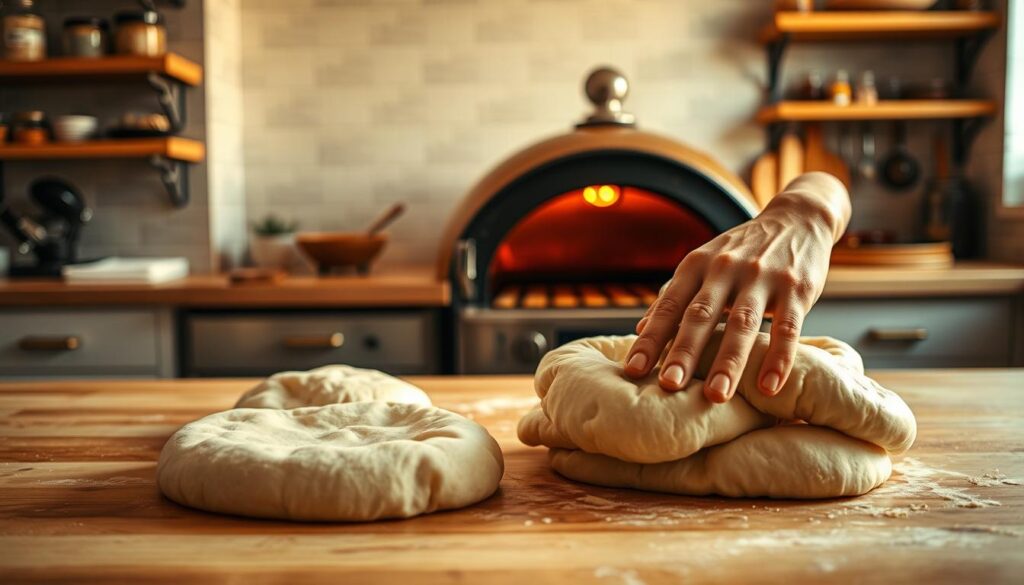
{"x": 78, "y": 503}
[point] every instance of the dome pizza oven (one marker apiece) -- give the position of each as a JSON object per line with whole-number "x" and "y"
{"x": 573, "y": 236}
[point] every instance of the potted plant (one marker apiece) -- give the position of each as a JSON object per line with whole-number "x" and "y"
{"x": 273, "y": 243}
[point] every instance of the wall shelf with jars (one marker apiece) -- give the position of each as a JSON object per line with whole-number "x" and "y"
{"x": 93, "y": 51}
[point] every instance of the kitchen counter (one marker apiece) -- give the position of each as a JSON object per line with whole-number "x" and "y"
{"x": 417, "y": 287}
{"x": 78, "y": 503}
{"x": 399, "y": 288}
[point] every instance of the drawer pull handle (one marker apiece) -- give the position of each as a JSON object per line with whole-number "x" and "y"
{"x": 331, "y": 341}
{"x": 60, "y": 343}
{"x": 908, "y": 334}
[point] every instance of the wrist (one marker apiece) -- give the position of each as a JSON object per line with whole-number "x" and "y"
{"x": 816, "y": 200}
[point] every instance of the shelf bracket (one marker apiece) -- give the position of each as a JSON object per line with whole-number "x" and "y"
{"x": 171, "y": 96}
{"x": 776, "y": 50}
{"x": 775, "y": 132}
{"x": 967, "y": 51}
{"x": 174, "y": 176}
{"x": 965, "y": 130}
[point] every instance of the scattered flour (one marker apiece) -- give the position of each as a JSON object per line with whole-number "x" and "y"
{"x": 97, "y": 483}
{"x": 624, "y": 576}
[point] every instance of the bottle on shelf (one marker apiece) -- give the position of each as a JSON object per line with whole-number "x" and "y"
{"x": 867, "y": 91}
{"x": 841, "y": 91}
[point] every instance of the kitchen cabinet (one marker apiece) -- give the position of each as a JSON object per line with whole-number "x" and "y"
{"x": 87, "y": 343}
{"x": 920, "y": 332}
{"x": 254, "y": 343}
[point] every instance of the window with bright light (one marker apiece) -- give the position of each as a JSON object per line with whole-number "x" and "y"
{"x": 1013, "y": 162}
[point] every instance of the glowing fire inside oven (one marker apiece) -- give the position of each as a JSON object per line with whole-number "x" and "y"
{"x": 602, "y": 195}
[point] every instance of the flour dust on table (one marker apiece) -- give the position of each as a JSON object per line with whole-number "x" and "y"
{"x": 332, "y": 384}
{"x": 828, "y": 432}
{"x": 375, "y": 449}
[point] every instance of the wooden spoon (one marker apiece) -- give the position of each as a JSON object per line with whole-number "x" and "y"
{"x": 386, "y": 218}
{"x": 764, "y": 178}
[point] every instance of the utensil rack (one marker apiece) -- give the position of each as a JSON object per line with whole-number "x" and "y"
{"x": 168, "y": 76}
{"x": 968, "y": 29}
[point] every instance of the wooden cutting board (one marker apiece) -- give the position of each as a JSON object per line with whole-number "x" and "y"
{"x": 764, "y": 178}
{"x": 929, "y": 255}
{"x": 78, "y": 503}
{"x": 817, "y": 156}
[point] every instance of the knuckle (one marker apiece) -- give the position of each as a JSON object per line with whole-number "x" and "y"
{"x": 744, "y": 319}
{"x": 729, "y": 362}
{"x": 699, "y": 311}
{"x": 796, "y": 281}
{"x": 665, "y": 308}
{"x": 724, "y": 261}
{"x": 755, "y": 266}
{"x": 787, "y": 327}
{"x": 681, "y": 353}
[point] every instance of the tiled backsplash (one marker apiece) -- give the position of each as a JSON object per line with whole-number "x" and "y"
{"x": 350, "y": 106}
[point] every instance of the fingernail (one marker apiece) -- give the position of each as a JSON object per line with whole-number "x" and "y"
{"x": 770, "y": 382}
{"x": 637, "y": 362}
{"x": 673, "y": 375}
{"x": 720, "y": 385}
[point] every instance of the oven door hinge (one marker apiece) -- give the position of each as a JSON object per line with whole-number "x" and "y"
{"x": 466, "y": 269}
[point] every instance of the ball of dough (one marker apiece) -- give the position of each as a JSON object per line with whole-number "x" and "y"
{"x": 590, "y": 402}
{"x": 605, "y": 429}
{"x": 330, "y": 385}
{"x": 792, "y": 461}
{"x": 343, "y": 462}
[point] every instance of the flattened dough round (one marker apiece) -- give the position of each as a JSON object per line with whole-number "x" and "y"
{"x": 342, "y": 462}
{"x": 792, "y": 461}
{"x": 330, "y": 385}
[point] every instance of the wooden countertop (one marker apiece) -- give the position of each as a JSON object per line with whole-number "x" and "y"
{"x": 406, "y": 288}
{"x": 78, "y": 503}
{"x": 417, "y": 287}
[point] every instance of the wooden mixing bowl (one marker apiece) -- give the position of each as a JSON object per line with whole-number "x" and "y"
{"x": 330, "y": 250}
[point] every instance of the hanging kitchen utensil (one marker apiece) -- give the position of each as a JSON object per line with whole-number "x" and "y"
{"x": 791, "y": 159}
{"x": 764, "y": 178}
{"x": 818, "y": 158}
{"x": 386, "y": 218}
{"x": 899, "y": 170}
{"x": 868, "y": 162}
{"x": 950, "y": 208}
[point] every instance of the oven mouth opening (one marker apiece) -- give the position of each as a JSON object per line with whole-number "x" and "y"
{"x": 605, "y": 245}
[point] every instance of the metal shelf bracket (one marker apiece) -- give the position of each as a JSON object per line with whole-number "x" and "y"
{"x": 171, "y": 96}
{"x": 174, "y": 176}
{"x": 776, "y": 51}
{"x": 967, "y": 51}
{"x": 965, "y": 130}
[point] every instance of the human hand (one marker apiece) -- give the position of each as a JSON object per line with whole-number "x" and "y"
{"x": 774, "y": 264}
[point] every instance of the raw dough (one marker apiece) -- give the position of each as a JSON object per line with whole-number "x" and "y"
{"x": 606, "y": 429}
{"x": 330, "y": 385}
{"x": 352, "y": 462}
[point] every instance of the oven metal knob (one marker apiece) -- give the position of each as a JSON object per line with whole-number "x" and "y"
{"x": 530, "y": 347}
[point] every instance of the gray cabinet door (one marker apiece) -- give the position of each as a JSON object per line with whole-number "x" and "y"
{"x": 256, "y": 344}
{"x": 909, "y": 333}
{"x": 50, "y": 343}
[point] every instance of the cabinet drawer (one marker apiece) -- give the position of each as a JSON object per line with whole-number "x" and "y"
{"x": 261, "y": 344}
{"x": 919, "y": 332}
{"x": 78, "y": 342}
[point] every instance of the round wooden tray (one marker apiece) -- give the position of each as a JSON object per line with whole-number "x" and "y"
{"x": 931, "y": 255}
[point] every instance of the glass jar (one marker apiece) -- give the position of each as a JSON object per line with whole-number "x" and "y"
{"x": 85, "y": 36}
{"x": 24, "y": 33}
{"x": 140, "y": 33}
{"x": 30, "y": 128}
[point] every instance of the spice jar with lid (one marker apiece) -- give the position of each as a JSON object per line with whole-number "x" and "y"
{"x": 140, "y": 33}
{"x": 85, "y": 36}
{"x": 23, "y": 33}
{"x": 30, "y": 128}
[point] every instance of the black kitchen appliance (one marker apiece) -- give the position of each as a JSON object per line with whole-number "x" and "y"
{"x": 51, "y": 238}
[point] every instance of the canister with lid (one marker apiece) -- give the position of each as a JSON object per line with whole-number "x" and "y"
{"x": 140, "y": 33}
{"x": 86, "y": 36}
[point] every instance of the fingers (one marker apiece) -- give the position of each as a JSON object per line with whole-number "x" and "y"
{"x": 699, "y": 320}
{"x": 741, "y": 329}
{"x": 658, "y": 326}
{"x": 785, "y": 335}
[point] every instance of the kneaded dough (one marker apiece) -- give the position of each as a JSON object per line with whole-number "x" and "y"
{"x": 342, "y": 462}
{"x": 330, "y": 385}
{"x": 607, "y": 429}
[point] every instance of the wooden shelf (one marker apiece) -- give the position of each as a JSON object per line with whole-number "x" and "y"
{"x": 171, "y": 65}
{"x": 173, "y": 148}
{"x": 864, "y": 25}
{"x": 808, "y": 111}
